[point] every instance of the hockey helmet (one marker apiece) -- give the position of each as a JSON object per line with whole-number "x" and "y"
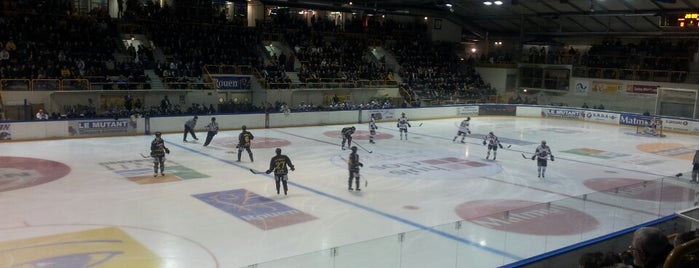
{"x": 468, "y": 118}
{"x": 278, "y": 151}
{"x": 196, "y": 117}
{"x": 354, "y": 148}
{"x": 353, "y": 127}
{"x": 491, "y": 133}
{"x": 244, "y": 127}
{"x": 158, "y": 133}
{"x": 543, "y": 142}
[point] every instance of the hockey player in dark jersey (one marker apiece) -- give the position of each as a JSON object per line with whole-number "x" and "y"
{"x": 493, "y": 143}
{"x": 157, "y": 152}
{"x": 347, "y": 136}
{"x": 353, "y": 164}
{"x": 244, "y": 140}
{"x": 279, "y": 164}
{"x": 542, "y": 153}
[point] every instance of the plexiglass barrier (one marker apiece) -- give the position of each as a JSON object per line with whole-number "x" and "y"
{"x": 483, "y": 242}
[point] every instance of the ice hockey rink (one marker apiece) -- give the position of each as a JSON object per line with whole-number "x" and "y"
{"x": 427, "y": 201}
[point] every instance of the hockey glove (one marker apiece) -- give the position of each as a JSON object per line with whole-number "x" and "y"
{"x": 361, "y": 165}
{"x": 292, "y": 169}
{"x": 167, "y": 151}
{"x": 500, "y": 145}
{"x": 483, "y": 142}
{"x": 409, "y": 125}
{"x": 551, "y": 158}
{"x": 268, "y": 171}
{"x": 469, "y": 132}
{"x": 533, "y": 157}
{"x": 397, "y": 125}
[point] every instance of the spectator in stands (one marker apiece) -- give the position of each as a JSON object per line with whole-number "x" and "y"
{"x": 165, "y": 104}
{"x": 600, "y": 260}
{"x": 4, "y": 55}
{"x": 585, "y": 105}
{"x": 650, "y": 247}
{"x": 41, "y": 115}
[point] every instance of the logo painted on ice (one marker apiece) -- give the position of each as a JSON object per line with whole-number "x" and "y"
{"x": 421, "y": 164}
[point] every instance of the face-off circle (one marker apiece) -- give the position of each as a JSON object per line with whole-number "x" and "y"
{"x": 640, "y": 189}
{"x": 359, "y": 135}
{"x": 22, "y": 172}
{"x": 419, "y": 164}
{"x": 257, "y": 142}
{"x": 526, "y": 217}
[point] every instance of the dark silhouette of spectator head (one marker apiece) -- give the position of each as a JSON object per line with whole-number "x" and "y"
{"x": 650, "y": 247}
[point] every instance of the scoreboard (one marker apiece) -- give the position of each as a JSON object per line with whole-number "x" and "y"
{"x": 681, "y": 20}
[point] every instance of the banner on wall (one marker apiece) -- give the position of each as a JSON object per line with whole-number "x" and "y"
{"x": 510, "y": 110}
{"x": 5, "y": 133}
{"x": 581, "y": 88}
{"x": 382, "y": 114}
{"x": 232, "y": 82}
{"x": 642, "y": 89}
{"x": 467, "y": 110}
{"x": 612, "y": 118}
{"x": 103, "y": 126}
{"x": 562, "y": 113}
{"x": 606, "y": 87}
{"x": 633, "y": 119}
{"x": 679, "y": 124}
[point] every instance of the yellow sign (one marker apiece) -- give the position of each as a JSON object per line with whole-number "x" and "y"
{"x": 106, "y": 247}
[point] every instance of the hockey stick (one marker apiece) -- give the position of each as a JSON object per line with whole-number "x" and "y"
{"x": 255, "y": 171}
{"x": 144, "y": 156}
{"x": 360, "y": 146}
{"x": 525, "y": 157}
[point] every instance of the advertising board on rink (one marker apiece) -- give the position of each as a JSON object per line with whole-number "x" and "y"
{"x": 510, "y": 110}
{"x": 101, "y": 126}
{"x": 611, "y": 118}
{"x": 467, "y": 110}
{"x": 633, "y": 119}
{"x": 562, "y": 113}
{"x": 680, "y": 125}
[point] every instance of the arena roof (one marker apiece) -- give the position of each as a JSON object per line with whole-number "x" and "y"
{"x": 535, "y": 17}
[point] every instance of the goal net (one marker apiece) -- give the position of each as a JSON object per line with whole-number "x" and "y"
{"x": 652, "y": 126}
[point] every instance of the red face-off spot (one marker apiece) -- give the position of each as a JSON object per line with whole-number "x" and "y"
{"x": 21, "y": 172}
{"x": 640, "y": 189}
{"x": 526, "y": 217}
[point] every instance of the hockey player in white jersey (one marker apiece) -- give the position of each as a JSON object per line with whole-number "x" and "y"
{"x": 403, "y": 126}
{"x": 464, "y": 128}
{"x": 542, "y": 154}
{"x": 493, "y": 143}
{"x": 372, "y": 129}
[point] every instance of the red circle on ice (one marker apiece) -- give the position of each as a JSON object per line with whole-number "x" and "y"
{"x": 22, "y": 172}
{"x": 359, "y": 135}
{"x": 526, "y": 217}
{"x": 641, "y": 189}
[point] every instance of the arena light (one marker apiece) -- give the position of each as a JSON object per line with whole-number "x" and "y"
{"x": 488, "y": 3}
{"x": 498, "y": 3}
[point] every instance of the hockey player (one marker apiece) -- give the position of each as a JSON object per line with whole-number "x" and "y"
{"x": 353, "y": 164}
{"x": 463, "y": 130}
{"x": 157, "y": 152}
{"x": 695, "y": 167}
{"x": 212, "y": 130}
{"x": 244, "y": 140}
{"x": 347, "y": 136}
{"x": 189, "y": 128}
{"x": 493, "y": 143}
{"x": 403, "y": 126}
{"x": 542, "y": 153}
{"x": 372, "y": 129}
{"x": 279, "y": 164}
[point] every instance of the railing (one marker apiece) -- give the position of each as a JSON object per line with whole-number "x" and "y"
{"x": 186, "y": 83}
{"x": 44, "y": 84}
{"x": 631, "y": 74}
{"x": 477, "y": 241}
{"x": 332, "y": 84}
